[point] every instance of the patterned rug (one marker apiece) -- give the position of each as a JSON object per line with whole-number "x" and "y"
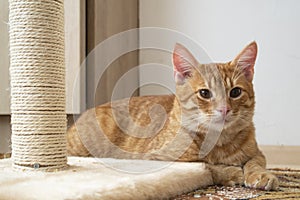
{"x": 289, "y": 189}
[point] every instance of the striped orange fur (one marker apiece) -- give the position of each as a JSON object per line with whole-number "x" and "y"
{"x": 209, "y": 119}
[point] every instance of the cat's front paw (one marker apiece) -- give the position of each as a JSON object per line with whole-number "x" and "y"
{"x": 263, "y": 180}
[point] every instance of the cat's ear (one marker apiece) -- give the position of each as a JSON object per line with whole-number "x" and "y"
{"x": 183, "y": 62}
{"x": 246, "y": 60}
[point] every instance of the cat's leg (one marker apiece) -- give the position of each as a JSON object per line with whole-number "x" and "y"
{"x": 226, "y": 175}
{"x": 256, "y": 175}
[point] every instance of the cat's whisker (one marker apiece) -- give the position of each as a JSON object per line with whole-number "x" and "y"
{"x": 243, "y": 118}
{"x": 194, "y": 120}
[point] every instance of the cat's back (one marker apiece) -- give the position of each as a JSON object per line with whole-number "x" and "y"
{"x": 122, "y": 121}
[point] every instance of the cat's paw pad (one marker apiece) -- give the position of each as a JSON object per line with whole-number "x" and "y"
{"x": 262, "y": 180}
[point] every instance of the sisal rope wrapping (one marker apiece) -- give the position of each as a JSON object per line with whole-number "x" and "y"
{"x": 37, "y": 73}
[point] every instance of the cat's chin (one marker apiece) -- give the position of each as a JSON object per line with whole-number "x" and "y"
{"x": 221, "y": 120}
{"x": 223, "y": 123}
{"x": 216, "y": 124}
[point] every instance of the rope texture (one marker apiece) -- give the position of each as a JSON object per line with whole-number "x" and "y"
{"x": 37, "y": 71}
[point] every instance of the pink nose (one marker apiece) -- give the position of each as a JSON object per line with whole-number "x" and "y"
{"x": 224, "y": 110}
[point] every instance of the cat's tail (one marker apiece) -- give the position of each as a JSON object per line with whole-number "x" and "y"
{"x": 74, "y": 145}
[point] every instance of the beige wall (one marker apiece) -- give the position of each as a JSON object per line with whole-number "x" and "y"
{"x": 4, "y": 59}
{"x": 75, "y": 55}
{"x": 105, "y": 18}
{"x": 5, "y": 131}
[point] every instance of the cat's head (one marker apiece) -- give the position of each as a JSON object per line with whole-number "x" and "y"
{"x": 216, "y": 92}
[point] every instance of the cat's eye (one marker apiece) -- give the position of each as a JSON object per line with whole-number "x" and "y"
{"x": 205, "y": 93}
{"x": 235, "y": 92}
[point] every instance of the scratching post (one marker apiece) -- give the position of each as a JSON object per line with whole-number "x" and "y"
{"x": 37, "y": 73}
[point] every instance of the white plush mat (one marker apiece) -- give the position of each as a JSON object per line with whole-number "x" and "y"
{"x": 90, "y": 178}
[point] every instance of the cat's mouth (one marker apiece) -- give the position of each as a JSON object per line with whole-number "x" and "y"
{"x": 219, "y": 120}
{"x": 222, "y": 119}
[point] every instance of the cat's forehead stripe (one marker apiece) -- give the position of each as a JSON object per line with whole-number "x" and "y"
{"x": 228, "y": 82}
{"x": 212, "y": 82}
{"x": 226, "y": 72}
{"x": 224, "y": 75}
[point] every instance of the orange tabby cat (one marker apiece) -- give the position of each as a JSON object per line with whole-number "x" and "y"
{"x": 209, "y": 119}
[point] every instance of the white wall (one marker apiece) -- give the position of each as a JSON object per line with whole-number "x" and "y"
{"x": 223, "y": 28}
